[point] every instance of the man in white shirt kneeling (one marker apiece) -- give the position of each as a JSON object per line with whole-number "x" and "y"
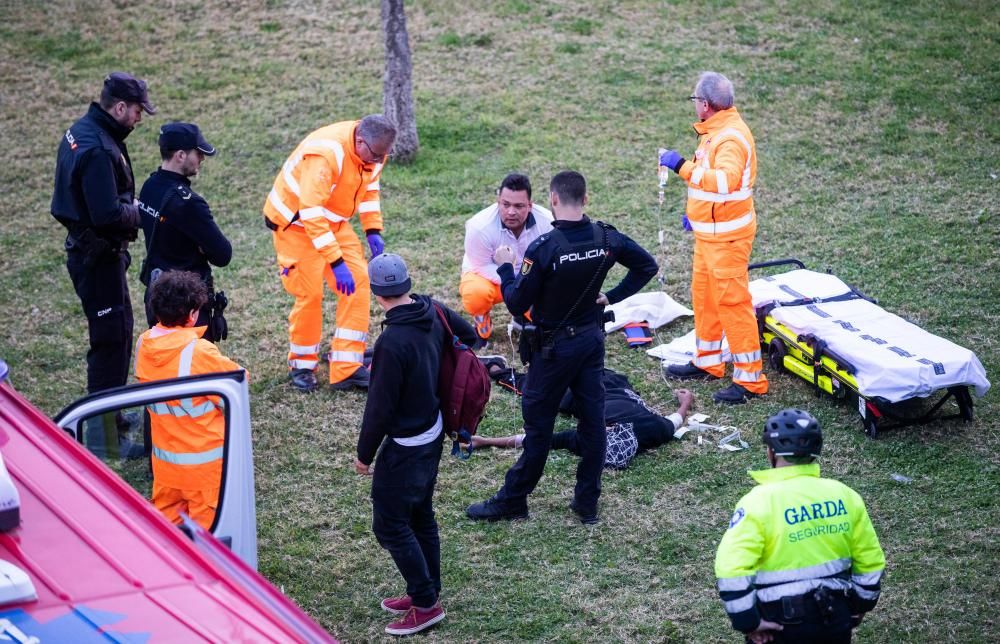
{"x": 513, "y": 221}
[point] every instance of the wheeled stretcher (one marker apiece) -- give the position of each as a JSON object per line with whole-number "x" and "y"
{"x": 832, "y": 335}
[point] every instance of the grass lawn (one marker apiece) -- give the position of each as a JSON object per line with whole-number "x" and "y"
{"x": 877, "y": 126}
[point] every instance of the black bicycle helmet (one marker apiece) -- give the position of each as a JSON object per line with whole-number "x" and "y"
{"x": 793, "y": 432}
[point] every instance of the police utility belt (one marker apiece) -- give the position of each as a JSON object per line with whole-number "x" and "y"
{"x": 820, "y": 606}
{"x": 94, "y": 248}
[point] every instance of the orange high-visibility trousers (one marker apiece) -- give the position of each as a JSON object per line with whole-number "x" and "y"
{"x": 199, "y": 504}
{"x": 303, "y": 271}
{"x": 720, "y": 297}
{"x": 479, "y": 295}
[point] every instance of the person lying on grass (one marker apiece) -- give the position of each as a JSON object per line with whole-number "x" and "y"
{"x": 632, "y": 426}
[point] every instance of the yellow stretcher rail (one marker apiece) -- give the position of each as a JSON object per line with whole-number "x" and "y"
{"x": 799, "y": 359}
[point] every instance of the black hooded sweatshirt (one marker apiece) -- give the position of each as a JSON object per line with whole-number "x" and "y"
{"x": 402, "y": 396}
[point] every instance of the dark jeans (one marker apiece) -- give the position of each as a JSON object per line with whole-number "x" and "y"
{"x": 402, "y": 516}
{"x": 577, "y": 363}
{"x": 103, "y": 292}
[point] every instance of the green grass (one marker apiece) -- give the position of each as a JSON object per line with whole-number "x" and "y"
{"x": 877, "y": 126}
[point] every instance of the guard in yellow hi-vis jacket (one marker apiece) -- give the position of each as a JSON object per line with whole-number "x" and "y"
{"x": 800, "y": 561}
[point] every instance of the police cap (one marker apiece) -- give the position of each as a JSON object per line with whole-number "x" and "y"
{"x": 793, "y": 432}
{"x": 127, "y": 87}
{"x": 184, "y": 136}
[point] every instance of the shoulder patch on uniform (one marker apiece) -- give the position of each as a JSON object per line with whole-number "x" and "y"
{"x": 184, "y": 191}
{"x": 737, "y": 517}
{"x": 526, "y": 266}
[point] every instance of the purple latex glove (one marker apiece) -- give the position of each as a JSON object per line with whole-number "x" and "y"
{"x": 345, "y": 281}
{"x": 685, "y": 223}
{"x": 671, "y": 159}
{"x": 376, "y": 244}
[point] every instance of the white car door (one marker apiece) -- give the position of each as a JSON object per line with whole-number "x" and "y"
{"x": 113, "y": 425}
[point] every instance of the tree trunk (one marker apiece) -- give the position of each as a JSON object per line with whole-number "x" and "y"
{"x": 397, "y": 87}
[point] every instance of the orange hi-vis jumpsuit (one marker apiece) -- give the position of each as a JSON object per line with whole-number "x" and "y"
{"x": 721, "y": 213}
{"x": 189, "y": 434}
{"x": 319, "y": 188}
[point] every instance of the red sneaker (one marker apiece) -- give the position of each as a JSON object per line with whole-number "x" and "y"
{"x": 416, "y": 620}
{"x": 397, "y": 605}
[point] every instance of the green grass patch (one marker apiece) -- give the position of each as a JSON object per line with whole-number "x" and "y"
{"x": 877, "y": 128}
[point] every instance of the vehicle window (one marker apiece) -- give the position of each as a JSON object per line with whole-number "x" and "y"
{"x": 170, "y": 451}
{"x": 120, "y": 438}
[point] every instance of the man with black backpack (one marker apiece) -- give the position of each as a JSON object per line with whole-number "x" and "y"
{"x": 561, "y": 278}
{"x": 403, "y": 414}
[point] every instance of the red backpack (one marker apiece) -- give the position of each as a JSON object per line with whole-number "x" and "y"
{"x": 464, "y": 389}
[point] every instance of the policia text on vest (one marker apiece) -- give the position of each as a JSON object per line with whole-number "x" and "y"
{"x": 561, "y": 281}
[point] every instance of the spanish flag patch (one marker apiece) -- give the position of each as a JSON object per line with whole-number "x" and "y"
{"x": 526, "y": 266}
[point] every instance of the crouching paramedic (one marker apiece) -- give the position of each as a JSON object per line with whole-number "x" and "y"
{"x": 188, "y": 435}
{"x": 800, "y": 561}
{"x": 332, "y": 174}
{"x": 513, "y": 221}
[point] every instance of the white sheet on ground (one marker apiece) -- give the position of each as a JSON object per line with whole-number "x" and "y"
{"x": 680, "y": 350}
{"x": 656, "y": 308}
{"x": 895, "y": 359}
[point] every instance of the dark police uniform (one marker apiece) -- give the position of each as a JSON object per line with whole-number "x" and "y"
{"x": 93, "y": 198}
{"x": 561, "y": 277}
{"x": 186, "y": 238}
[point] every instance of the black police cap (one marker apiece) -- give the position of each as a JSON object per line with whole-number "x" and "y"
{"x": 127, "y": 87}
{"x": 184, "y": 136}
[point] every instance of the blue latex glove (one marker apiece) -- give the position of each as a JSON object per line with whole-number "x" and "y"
{"x": 671, "y": 159}
{"x": 345, "y": 281}
{"x": 685, "y": 223}
{"x": 376, "y": 244}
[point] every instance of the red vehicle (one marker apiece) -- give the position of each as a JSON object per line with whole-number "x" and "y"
{"x": 91, "y": 560}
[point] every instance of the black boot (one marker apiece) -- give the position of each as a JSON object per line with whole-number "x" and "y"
{"x": 494, "y": 510}
{"x": 303, "y": 379}
{"x": 587, "y": 517}
{"x": 359, "y": 379}
{"x": 687, "y": 372}
{"x": 734, "y": 394}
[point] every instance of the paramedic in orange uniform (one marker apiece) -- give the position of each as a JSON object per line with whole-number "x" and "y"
{"x": 332, "y": 174}
{"x": 188, "y": 435}
{"x": 720, "y": 212}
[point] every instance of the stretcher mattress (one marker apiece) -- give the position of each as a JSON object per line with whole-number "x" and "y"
{"x": 893, "y": 358}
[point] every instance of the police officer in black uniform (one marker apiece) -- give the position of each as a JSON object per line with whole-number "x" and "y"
{"x": 177, "y": 223}
{"x": 94, "y": 198}
{"x": 560, "y": 281}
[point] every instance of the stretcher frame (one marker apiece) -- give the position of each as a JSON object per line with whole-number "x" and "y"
{"x": 808, "y": 357}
